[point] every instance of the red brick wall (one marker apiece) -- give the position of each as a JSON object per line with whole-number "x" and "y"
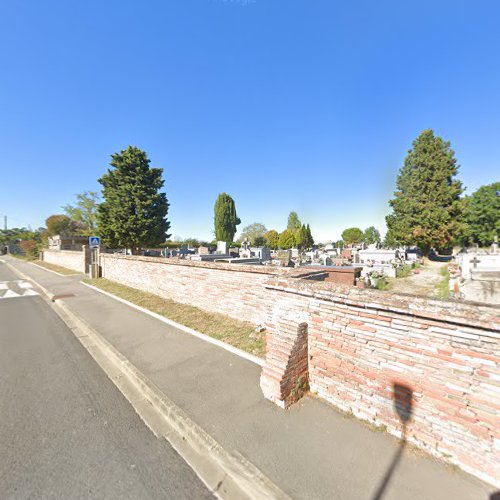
{"x": 365, "y": 347}
{"x": 360, "y": 350}
{"x": 235, "y": 290}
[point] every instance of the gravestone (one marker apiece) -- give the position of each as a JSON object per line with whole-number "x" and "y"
{"x": 222, "y": 248}
{"x": 245, "y": 250}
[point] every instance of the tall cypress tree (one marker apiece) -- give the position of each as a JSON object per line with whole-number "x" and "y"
{"x": 133, "y": 212}
{"x": 225, "y": 218}
{"x": 426, "y": 205}
{"x": 310, "y": 239}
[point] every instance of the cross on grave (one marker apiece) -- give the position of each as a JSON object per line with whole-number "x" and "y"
{"x": 475, "y": 261}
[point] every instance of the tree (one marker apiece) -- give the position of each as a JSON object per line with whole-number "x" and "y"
{"x": 225, "y": 218}
{"x": 85, "y": 211}
{"x": 62, "y": 224}
{"x": 352, "y": 236}
{"x": 272, "y": 238}
{"x": 426, "y": 206}
{"x": 287, "y": 239}
{"x": 29, "y": 248}
{"x": 301, "y": 237}
{"x": 294, "y": 224}
{"x": 260, "y": 241}
{"x": 371, "y": 235}
{"x": 310, "y": 239}
{"x": 133, "y": 212}
{"x": 390, "y": 241}
{"x": 482, "y": 215}
{"x": 253, "y": 232}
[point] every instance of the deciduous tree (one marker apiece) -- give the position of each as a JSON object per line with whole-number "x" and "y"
{"x": 482, "y": 215}
{"x": 84, "y": 211}
{"x": 253, "y": 232}
{"x": 64, "y": 225}
{"x": 352, "y": 235}
{"x": 272, "y": 237}
{"x": 371, "y": 235}
{"x": 287, "y": 239}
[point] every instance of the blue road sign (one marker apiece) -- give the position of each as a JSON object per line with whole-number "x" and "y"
{"x": 94, "y": 241}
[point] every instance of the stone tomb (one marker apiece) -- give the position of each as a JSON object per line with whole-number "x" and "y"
{"x": 481, "y": 275}
{"x": 381, "y": 260}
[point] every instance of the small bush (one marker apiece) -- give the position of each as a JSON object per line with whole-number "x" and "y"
{"x": 29, "y": 248}
{"x": 383, "y": 283}
{"x": 404, "y": 271}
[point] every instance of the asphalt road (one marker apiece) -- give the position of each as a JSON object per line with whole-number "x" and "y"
{"x": 65, "y": 429}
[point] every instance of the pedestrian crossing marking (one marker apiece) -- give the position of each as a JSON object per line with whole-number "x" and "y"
{"x": 16, "y": 289}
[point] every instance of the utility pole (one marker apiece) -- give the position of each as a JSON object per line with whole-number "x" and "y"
{"x": 5, "y": 222}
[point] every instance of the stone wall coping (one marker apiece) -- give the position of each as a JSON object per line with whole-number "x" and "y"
{"x": 484, "y": 316}
{"x": 289, "y": 272}
{"x": 74, "y": 252}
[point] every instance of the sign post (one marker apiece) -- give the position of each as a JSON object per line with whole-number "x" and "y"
{"x": 94, "y": 244}
{"x": 94, "y": 241}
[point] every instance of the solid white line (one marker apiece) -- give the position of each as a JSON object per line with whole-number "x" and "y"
{"x": 51, "y": 271}
{"x": 195, "y": 333}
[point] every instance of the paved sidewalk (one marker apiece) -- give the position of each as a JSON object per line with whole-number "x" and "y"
{"x": 310, "y": 451}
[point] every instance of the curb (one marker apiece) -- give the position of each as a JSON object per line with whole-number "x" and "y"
{"x": 191, "y": 331}
{"x": 227, "y": 475}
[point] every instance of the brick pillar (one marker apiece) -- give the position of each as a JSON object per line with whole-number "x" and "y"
{"x": 285, "y": 376}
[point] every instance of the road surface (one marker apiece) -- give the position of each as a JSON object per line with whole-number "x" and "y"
{"x": 65, "y": 429}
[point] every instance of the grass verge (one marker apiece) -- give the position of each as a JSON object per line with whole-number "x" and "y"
{"x": 27, "y": 258}
{"x": 240, "y": 334}
{"x": 442, "y": 288}
{"x": 54, "y": 267}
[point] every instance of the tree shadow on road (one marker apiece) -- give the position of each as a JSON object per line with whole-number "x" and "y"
{"x": 403, "y": 405}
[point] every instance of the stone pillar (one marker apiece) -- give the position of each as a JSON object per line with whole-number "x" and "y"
{"x": 86, "y": 258}
{"x": 285, "y": 375}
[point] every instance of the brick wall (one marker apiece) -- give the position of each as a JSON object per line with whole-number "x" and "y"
{"x": 235, "y": 290}
{"x": 428, "y": 367}
{"x": 72, "y": 259}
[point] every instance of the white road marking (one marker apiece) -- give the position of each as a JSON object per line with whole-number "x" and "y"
{"x": 15, "y": 289}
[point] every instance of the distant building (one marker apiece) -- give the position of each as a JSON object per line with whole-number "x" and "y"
{"x": 65, "y": 242}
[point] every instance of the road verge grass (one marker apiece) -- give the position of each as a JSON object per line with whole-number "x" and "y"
{"x": 239, "y": 334}
{"x": 55, "y": 268}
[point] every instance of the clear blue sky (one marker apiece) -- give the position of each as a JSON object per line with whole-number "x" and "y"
{"x": 307, "y": 105}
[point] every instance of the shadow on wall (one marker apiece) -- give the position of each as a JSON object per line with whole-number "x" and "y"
{"x": 403, "y": 405}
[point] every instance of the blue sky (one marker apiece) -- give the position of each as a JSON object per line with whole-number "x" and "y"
{"x": 287, "y": 105}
